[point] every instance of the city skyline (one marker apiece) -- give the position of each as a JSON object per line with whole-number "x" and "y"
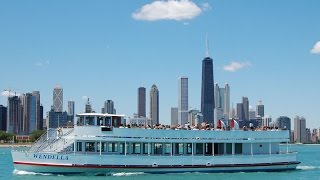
{"x": 256, "y": 48}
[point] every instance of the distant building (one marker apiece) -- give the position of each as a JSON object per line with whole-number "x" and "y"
{"x": 222, "y": 100}
{"x": 57, "y": 119}
{"x": 58, "y": 99}
{"x": 139, "y": 121}
{"x": 88, "y": 107}
{"x": 266, "y": 121}
{"x": 252, "y": 114}
{"x": 218, "y": 115}
{"x": 284, "y": 122}
{"x": 39, "y": 114}
{"x": 109, "y": 107}
{"x": 300, "y": 134}
{"x": 14, "y": 115}
{"x": 183, "y": 100}
{"x": 3, "y": 118}
{"x": 174, "y": 116}
{"x": 141, "y": 102}
{"x": 71, "y": 110}
{"x": 29, "y": 120}
{"x": 308, "y": 137}
{"x": 192, "y": 116}
{"x": 314, "y": 136}
{"x": 154, "y": 105}
{"x": 207, "y": 90}
{"x": 240, "y": 111}
{"x": 260, "y": 109}
{"x": 245, "y": 102}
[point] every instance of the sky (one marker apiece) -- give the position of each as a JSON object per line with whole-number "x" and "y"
{"x": 265, "y": 50}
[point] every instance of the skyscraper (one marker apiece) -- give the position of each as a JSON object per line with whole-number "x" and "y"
{"x": 29, "y": 120}
{"x": 260, "y": 109}
{"x": 245, "y": 102}
{"x": 284, "y": 122}
{"x": 3, "y": 118}
{"x": 300, "y": 134}
{"x": 109, "y": 107}
{"x": 174, "y": 116}
{"x": 226, "y": 109}
{"x": 88, "y": 107}
{"x": 207, "y": 92}
{"x": 14, "y": 115}
{"x": 154, "y": 105}
{"x": 58, "y": 99}
{"x": 222, "y": 101}
{"x": 141, "y": 102}
{"x": 183, "y": 100}
{"x": 240, "y": 111}
{"x": 70, "y": 110}
{"x": 39, "y": 118}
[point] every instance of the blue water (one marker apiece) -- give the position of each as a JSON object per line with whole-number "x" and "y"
{"x": 309, "y": 155}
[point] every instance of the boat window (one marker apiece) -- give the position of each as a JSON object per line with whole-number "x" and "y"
{"x": 89, "y": 120}
{"x": 157, "y": 148}
{"x": 80, "y": 121}
{"x": 167, "y": 148}
{"x": 79, "y": 146}
{"x": 107, "y": 121}
{"x": 136, "y": 148}
{"x": 145, "y": 148}
{"x": 199, "y": 148}
{"x": 179, "y": 148}
{"x": 112, "y": 147}
{"x": 90, "y": 147}
{"x": 103, "y": 147}
{"x": 208, "y": 148}
{"x": 100, "y": 121}
{"x": 220, "y": 148}
{"x": 228, "y": 148}
{"x": 122, "y": 148}
{"x": 238, "y": 148}
{"x": 189, "y": 148}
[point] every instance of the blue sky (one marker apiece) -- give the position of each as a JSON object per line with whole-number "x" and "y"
{"x": 265, "y": 50}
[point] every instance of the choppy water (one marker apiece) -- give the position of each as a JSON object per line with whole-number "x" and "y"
{"x": 309, "y": 155}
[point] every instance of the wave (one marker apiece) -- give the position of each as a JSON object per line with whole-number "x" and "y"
{"x": 127, "y": 173}
{"x": 18, "y": 172}
{"x": 308, "y": 167}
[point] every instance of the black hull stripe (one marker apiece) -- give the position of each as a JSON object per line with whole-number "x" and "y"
{"x": 159, "y": 166}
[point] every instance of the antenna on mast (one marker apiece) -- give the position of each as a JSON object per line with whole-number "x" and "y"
{"x": 207, "y": 46}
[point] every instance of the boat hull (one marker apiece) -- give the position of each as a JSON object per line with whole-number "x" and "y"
{"x": 106, "y": 164}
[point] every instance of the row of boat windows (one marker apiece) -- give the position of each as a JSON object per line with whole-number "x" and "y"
{"x": 160, "y": 148}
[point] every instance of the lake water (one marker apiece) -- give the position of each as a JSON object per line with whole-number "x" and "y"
{"x": 309, "y": 155}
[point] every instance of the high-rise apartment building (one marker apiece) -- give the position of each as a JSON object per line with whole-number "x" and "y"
{"x": 58, "y": 99}
{"x": 70, "y": 110}
{"x": 141, "y": 102}
{"x": 29, "y": 120}
{"x": 183, "y": 100}
{"x": 154, "y": 105}
{"x": 3, "y": 118}
{"x": 240, "y": 111}
{"x": 174, "y": 116}
{"x": 222, "y": 101}
{"x": 300, "y": 134}
{"x": 39, "y": 116}
{"x": 88, "y": 107}
{"x": 260, "y": 109}
{"x": 14, "y": 115}
{"x": 284, "y": 122}
{"x": 245, "y": 102}
{"x": 109, "y": 107}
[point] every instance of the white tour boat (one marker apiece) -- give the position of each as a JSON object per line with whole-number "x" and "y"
{"x": 98, "y": 143}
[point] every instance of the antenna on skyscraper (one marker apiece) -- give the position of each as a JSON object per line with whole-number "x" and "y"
{"x": 207, "y": 46}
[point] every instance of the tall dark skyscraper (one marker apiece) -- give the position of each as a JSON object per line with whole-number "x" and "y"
{"x": 141, "y": 102}
{"x": 3, "y": 118}
{"x": 207, "y": 89}
{"x": 245, "y": 102}
{"x": 14, "y": 115}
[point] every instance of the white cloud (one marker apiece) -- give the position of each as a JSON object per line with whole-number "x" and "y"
{"x": 235, "y": 66}
{"x": 42, "y": 63}
{"x": 206, "y": 7}
{"x": 316, "y": 48}
{"x": 168, "y": 10}
{"x": 84, "y": 97}
{"x": 8, "y": 93}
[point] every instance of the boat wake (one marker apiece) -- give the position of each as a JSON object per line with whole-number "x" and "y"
{"x": 18, "y": 172}
{"x": 127, "y": 174}
{"x": 308, "y": 167}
